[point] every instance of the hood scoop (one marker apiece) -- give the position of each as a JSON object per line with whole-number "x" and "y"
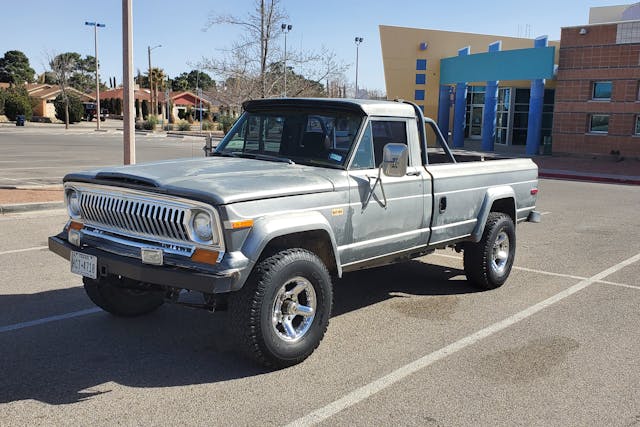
{"x": 127, "y": 179}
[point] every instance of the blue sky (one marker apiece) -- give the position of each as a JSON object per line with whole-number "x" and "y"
{"x": 40, "y": 27}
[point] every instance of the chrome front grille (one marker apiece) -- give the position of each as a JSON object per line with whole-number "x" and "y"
{"x": 132, "y": 215}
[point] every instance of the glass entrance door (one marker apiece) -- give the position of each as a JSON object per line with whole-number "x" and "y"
{"x": 476, "y": 122}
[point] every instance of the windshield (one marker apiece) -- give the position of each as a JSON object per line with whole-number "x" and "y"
{"x": 313, "y": 138}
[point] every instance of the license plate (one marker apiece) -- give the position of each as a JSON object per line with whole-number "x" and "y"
{"x": 84, "y": 265}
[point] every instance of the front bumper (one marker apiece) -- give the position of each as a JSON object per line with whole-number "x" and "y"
{"x": 218, "y": 279}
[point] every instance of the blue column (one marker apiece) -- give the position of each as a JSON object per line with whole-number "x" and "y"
{"x": 534, "y": 128}
{"x": 490, "y": 106}
{"x": 444, "y": 107}
{"x": 459, "y": 110}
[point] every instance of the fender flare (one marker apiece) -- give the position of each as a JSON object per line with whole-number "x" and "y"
{"x": 267, "y": 228}
{"x": 492, "y": 195}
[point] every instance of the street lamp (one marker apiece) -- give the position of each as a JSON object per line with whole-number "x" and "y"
{"x": 285, "y": 29}
{"x": 95, "y": 26}
{"x": 153, "y": 104}
{"x": 358, "y": 41}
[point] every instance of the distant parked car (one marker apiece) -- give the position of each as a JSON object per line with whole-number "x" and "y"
{"x": 90, "y": 112}
{"x": 20, "y": 119}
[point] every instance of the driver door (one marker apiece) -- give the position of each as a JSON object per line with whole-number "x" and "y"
{"x": 393, "y": 218}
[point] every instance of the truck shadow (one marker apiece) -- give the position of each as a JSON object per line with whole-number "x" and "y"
{"x": 71, "y": 360}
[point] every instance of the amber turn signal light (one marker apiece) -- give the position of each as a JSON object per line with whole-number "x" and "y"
{"x": 205, "y": 256}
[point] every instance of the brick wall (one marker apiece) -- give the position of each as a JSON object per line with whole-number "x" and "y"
{"x": 584, "y": 59}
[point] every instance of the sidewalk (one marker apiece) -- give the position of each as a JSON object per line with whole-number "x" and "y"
{"x": 596, "y": 169}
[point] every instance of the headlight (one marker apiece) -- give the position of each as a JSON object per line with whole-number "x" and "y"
{"x": 73, "y": 203}
{"x": 202, "y": 227}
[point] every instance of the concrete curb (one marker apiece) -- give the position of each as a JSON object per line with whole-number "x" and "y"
{"x": 28, "y": 207}
{"x": 576, "y": 176}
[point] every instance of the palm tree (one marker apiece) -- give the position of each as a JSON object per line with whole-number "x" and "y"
{"x": 158, "y": 77}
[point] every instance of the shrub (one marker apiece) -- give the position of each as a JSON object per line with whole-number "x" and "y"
{"x": 206, "y": 125}
{"x": 181, "y": 114}
{"x": 16, "y": 101}
{"x": 189, "y": 114}
{"x": 118, "y": 106}
{"x": 76, "y": 110}
{"x": 226, "y": 122}
{"x": 184, "y": 126}
{"x": 150, "y": 123}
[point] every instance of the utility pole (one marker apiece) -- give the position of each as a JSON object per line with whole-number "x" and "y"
{"x": 153, "y": 104}
{"x": 127, "y": 83}
{"x": 285, "y": 29}
{"x": 95, "y": 26}
{"x": 358, "y": 41}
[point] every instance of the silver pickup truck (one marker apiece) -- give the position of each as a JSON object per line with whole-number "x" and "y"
{"x": 299, "y": 192}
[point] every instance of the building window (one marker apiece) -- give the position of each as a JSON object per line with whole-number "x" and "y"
{"x": 421, "y": 79}
{"x": 599, "y": 123}
{"x": 601, "y": 91}
{"x": 638, "y": 125}
{"x": 421, "y": 64}
{"x": 419, "y": 95}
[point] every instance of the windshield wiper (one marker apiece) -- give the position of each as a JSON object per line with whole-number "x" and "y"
{"x": 222, "y": 154}
{"x": 259, "y": 156}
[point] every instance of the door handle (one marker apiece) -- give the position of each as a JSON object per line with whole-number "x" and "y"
{"x": 443, "y": 204}
{"x": 413, "y": 173}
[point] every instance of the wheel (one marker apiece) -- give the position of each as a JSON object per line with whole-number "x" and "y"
{"x": 123, "y": 297}
{"x": 488, "y": 263}
{"x": 281, "y": 314}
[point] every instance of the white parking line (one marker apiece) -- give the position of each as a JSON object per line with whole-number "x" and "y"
{"x": 531, "y": 270}
{"x": 23, "y": 325}
{"x": 364, "y": 392}
{"x": 16, "y": 251}
{"x": 622, "y": 285}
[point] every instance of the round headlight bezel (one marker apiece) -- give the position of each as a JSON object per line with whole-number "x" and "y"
{"x": 73, "y": 203}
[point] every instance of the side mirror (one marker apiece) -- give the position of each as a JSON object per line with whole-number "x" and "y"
{"x": 394, "y": 160}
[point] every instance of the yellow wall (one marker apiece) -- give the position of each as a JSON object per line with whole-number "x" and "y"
{"x": 401, "y": 48}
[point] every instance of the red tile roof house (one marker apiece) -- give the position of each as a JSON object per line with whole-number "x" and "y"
{"x": 179, "y": 101}
{"x": 45, "y": 94}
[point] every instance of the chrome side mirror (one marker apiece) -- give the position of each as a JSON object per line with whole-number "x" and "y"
{"x": 394, "y": 160}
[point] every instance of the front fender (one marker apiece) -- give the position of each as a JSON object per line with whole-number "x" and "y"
{"x": 267, "y": 228}
{"x": 491, "y": 196}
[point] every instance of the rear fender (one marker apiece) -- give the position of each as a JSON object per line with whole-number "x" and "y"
{"x": 492, "y": 195}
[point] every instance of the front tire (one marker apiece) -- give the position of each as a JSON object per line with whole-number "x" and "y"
{"x": 123, "y": 297}
{"x": 282, "y": 312}
{"x": 488, "y": 263}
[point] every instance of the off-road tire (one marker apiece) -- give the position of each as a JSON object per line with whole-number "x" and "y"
{"x": 121, "y": 297}
{"x": 251, "y": 308}
{"x": 478, "y": 264}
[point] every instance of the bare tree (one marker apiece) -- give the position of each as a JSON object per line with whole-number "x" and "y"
{"x": 63, "y": 66}
{"x": 253, "y": 64}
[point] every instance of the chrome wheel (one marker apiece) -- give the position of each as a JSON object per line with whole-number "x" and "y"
{"x": 294, "y": 309}
{"x": 500, "y": 252}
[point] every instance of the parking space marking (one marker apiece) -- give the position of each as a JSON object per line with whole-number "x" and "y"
{"x": 16, "y": 251}
{"x": 36, "y": 322}
{"x": 364, "y": 392}
{"x": 621, "y": 285}
{"x": 531, "y": 270}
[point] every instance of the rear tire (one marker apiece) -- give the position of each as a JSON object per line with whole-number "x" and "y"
{"x": 122, "y": 297}
{"x": 281, "y": 313}
{"x": 488, "y": 262}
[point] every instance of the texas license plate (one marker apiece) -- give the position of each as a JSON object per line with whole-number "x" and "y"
{"x": 84, "y": 265}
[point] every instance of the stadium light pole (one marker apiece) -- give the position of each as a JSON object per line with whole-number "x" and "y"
{"x": 153, "y": 104}
{"x": 95, "y": 26}
{"x": 285, "y": 29}
{"x": 358, "y": 41}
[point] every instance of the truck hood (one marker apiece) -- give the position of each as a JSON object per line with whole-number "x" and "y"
{"x": 217, "y": 180}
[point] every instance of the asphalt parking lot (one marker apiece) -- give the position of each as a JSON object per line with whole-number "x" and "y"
{"x": 409, "y": 344}
{"x": 43, "y": 155}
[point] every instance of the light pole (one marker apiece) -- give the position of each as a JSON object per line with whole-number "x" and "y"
{"x": 285, "y": 29}
{"x": 153, "y": 104}
{"x": 358, "y": 41}
{"x": 95, "y": 26}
